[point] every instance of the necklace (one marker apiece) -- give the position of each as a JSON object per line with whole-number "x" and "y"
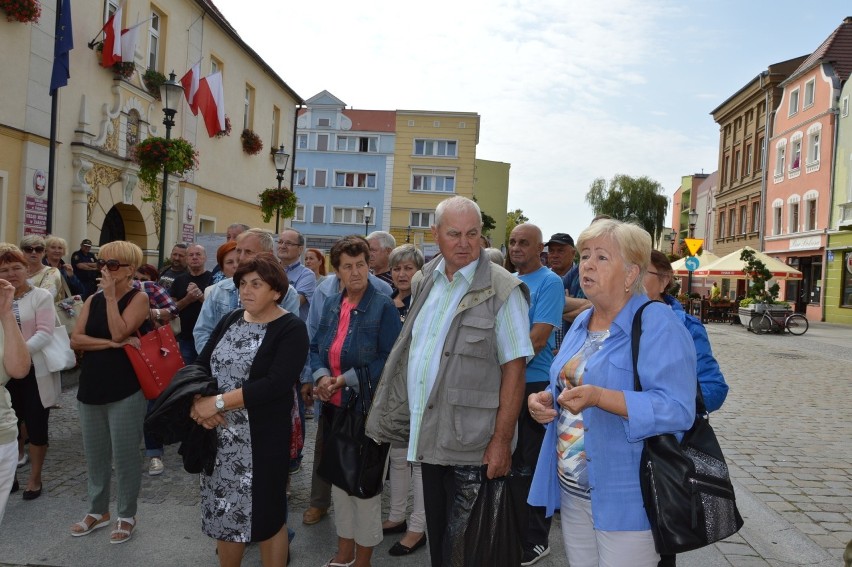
{"x": 20, "y": 296}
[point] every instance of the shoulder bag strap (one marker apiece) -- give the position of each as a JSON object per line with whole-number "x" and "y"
{"x": 64, "y": 286}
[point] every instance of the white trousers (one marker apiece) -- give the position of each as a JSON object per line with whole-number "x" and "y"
{"x": 588, "y": 547}
{"x": 402, "y": 475}
{"x": 8, "y": 465}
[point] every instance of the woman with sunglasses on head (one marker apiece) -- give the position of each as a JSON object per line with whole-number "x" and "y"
{"x": 111, "y": 405}
{"x": 32, "y": 396}
{"x": 45, "y": 277}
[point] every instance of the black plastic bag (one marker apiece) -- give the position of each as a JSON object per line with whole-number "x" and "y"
{"x": 484, "y": 529}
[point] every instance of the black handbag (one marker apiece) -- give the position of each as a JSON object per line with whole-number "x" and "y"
{"x": 350, "y": 460}
{"x": 686, "y": 487}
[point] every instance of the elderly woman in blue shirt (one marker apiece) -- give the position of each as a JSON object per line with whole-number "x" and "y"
{"x": 596, "y": 423}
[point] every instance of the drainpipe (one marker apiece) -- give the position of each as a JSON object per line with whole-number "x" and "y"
{"x": 834, "y": 111}
{"x": 763, "y": 181}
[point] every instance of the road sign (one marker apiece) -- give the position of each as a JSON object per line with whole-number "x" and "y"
{"x": 691, "y": 263}
{"x": 693, "y": 244}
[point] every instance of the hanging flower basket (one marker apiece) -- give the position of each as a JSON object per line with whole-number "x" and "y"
{"x": 227, "y": 130}
{"x": 281, "y": 200}
{"x": 252, "y": 144}
{"x": 153, "y": 80}
{"x": 155, "y": 154}
{"x": 25, "y": 11}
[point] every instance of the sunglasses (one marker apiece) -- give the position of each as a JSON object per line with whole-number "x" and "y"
{"x": 31, "y": 249}
{"x": 111, "y": 265}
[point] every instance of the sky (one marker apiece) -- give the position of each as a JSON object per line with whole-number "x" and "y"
{"x": 567, "y": 91}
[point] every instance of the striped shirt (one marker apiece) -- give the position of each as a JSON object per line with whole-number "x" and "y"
{"x": 430, "y": 330}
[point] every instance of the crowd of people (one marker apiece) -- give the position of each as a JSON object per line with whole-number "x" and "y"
{"x": 475, "y": 364}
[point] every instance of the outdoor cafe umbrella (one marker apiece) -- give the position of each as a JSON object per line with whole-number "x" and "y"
{"x": 731, "y": 266}
{"x": 704, "y": 259}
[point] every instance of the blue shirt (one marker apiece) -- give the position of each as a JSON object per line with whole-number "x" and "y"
{"x": 305, "y": 282}
{"x": 547, "y": 299}
{"x": 613, "y": 444}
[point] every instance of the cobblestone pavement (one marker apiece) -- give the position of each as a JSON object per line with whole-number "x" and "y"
{"x": 784, "y": 428}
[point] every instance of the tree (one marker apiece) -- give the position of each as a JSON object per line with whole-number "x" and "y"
{"x": 513, "y": 219}
{"x": 488, "y": 222}
{"x": 636, "y": 199}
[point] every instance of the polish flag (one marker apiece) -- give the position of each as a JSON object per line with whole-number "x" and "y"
{"x": 129, "y": 37}
{"x": 112, "y": 39}
{"x": 190, "y": 87}
{"x": 210, "y": 100}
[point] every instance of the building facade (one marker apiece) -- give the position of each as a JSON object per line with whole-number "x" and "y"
{"x": 742, "y": 121}
{"x": 104, "y": 112}
{"x": 344, "y": 170}
{"x": 838, "y": 281}
{"x": 491, "y": 189}
{"x": 800, "y": 161}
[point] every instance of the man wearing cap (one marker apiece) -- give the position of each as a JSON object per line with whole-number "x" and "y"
{"x": 560, "y": 257}
{"x": 85, "y": 266}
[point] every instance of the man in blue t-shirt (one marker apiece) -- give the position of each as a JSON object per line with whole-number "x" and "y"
{"x": 560, "y": 258}
{"x": 547, "y": 299}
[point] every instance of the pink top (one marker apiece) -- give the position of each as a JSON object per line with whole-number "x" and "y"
{"x": 336, "y": 347}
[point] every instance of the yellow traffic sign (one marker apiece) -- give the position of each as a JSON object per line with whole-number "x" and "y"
{"x": 693, "y": 244}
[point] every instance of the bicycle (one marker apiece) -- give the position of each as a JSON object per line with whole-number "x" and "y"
{"x": 795, "y": 323}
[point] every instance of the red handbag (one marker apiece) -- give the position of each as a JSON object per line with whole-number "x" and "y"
{"x": 156, "y": 360}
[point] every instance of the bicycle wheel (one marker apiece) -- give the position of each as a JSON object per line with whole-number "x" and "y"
{"x": 761, "y": 325}
{"x": 797, "y": 324}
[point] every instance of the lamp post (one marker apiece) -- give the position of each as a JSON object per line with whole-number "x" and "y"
{"x": 673, "y": 239}
{"x": 693, "y": 220}
{"x": 281, "y": 158}
{"x": 170, "y": 93}
{"x": 366, "y": 217}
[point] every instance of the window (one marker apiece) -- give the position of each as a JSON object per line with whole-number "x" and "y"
{"x": 761, "y": 146}
{"x": 749, "y": 159}
{"x": 322, "y": 142}
{"x": 300, "y": 177}
{"x": 844, "y": 107}
{"x": 318, "y": 214}
{"x": 777, "y": 209}
{"x": 847, "y": 281}
{"x": 811, "y": 210}
{"x": 780, "y": 155}
{"x": 302, "y": 141}
{"x": 276, "y": 122}
{"x": 722, "y": 224}
{"x": 441, "y": 148}
{"x": 743, "y": 219}
{"x": 794, "y": 102}
{"x": 299, "y": 215}
{"x": 348, "y": 215}
{"x": 813, "y": 145}
{"x": 320, "y": 176}
{"x": 422, "y": 219}
{"x": 361, "y": 180}
{"x": 248, "y": 108}
{"x": 793, "y": 214}
{"x": 110, "y": 8}
{"x": 357, "y": 144}
{"x": 737, "y": 165}
{"x": 323, "y": 122}
{"x": 154, "y": 27}
{"x": 755, "y": 217}
{"x": 809, "y": 93}
{"x": 442, "y": 181}
{"x": 732, "y": 221}
{"x": 726, "y": 169}
{"x": 215, "y": 65}
{"x": 796, "y": 154}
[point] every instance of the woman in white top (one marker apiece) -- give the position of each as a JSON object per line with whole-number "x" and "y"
{"x": 45, "y": 277}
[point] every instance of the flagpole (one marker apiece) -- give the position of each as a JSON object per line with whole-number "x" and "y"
{"x": 51, "y": 156}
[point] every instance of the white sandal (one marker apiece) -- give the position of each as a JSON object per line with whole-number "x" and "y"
{"x": 119, "y": 531}
{"x": 101, "y": 521}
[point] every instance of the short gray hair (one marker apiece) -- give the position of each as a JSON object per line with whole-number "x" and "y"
{"x": 32, "y": 240}
{"x": 458, "y": 204}
{"x": 239, "y": 225}
{"x": 633, "y": 241}
{"x": 406, "y": 253}
{"x": 265, "y": 239}
{"x": 386, "y": 239}
{"x": 495, "y": 255}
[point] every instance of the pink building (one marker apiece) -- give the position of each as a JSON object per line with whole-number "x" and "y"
{"x": 799, "y": 165}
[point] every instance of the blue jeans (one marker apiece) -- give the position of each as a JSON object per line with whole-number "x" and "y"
{"x": 153, "y": 448}
{"x": 187, "y": 350}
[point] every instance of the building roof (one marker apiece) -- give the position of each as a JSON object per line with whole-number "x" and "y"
{"x": 372, "y": 120}
{"x": 836, "y": 51}
{"x": 775, "y": 73}
{"x": 209, "y": 8}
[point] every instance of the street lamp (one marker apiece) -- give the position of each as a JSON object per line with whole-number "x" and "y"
{"x": 281, "y": 158}
{"x": 367, "y": 212}
{"x": 673, "y": 239}
{"x": 170, "y": 93}
{"x": 693, "y": 220}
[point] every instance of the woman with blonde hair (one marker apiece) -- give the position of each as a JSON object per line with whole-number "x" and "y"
{"x": 45, "y": 277}
{"x": 111, "y": 405}
{"x": 55, "y": 250}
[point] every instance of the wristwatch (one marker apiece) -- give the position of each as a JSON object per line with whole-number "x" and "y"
{"x": 220, "y": 403}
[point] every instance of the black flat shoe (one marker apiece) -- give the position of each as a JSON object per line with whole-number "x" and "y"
{"x": 32, "y": 494}
{"x": 398, "y": 549}
{"x": 397, "y": 529}
{"x": 15, "y": 487}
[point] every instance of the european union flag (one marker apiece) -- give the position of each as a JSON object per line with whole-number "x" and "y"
{"x": 63, "y": 44}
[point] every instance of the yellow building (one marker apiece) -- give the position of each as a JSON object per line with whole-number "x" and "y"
{"x": 102, "y": 115}
{"x": 434, "y": 158}
{"x": 491, "y": 189}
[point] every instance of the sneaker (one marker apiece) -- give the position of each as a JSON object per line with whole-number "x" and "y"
{"x": 531, "y": 556}
{"x": 309, "y": 413}
{"x": 156, "y": 467}
{"x": 24, "y": 460}
{"x": 295, "y": 466}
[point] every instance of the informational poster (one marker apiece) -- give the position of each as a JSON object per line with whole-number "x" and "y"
{"x": 188, "y": 215}
{"x": 35, "y": 205}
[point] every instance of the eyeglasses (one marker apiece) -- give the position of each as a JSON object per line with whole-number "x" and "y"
{"x": 285, "y": 243}
{"x": 111, "y": 265}
{"x": 31, "y": 249}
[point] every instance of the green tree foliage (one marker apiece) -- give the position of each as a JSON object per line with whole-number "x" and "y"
{"x": 635, "y": 199}
{"x": 513, "y": 219}
{"x": 488, "y": 222}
